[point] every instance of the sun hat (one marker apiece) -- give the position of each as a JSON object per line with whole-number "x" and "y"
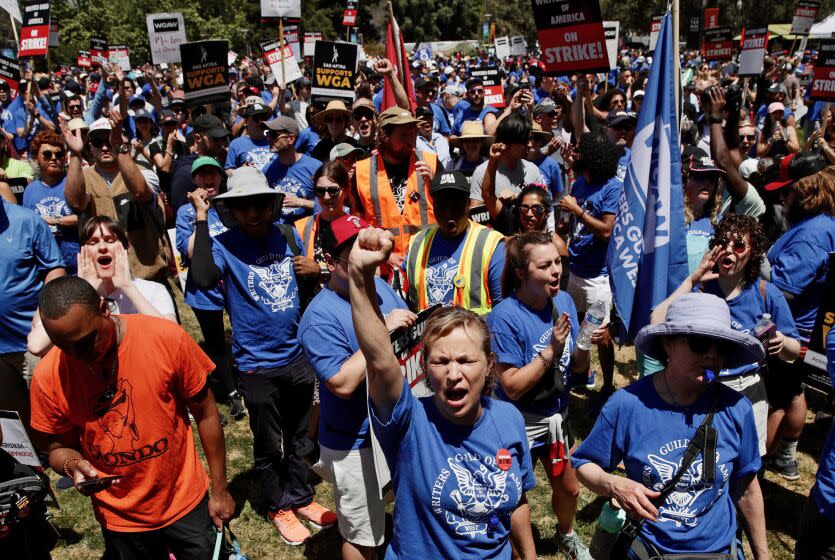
{"x": 245, "y": 182}
{"x": 333, "y": 107}
{"x": 394, "y": 116}
{"x": 206, "y": 161}
{"x": 77, "y": 124}
{"x": 344, "y": 149}
{"x": 471, "y": 130}
{"x": 537, "y": 129}
{"x": 705, "y": 315}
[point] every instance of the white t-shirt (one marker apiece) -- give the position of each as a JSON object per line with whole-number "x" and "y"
{"x": 154, "y": 292}
{"x": 506, "y": 179}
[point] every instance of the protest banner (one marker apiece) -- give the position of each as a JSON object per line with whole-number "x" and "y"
{"x": 34, "y": 35}
{"x": 334, "y": 70}
{"x": 654, "y": 28}
{"x": 611, "y": 30}
{"x": 98, "y": 50}
{"x": 815, "y": 357}
{"x": 752, "y": 56}
{"x": 349, "y": 15}
{"x": 273, "y": 56}
{"x": 281, "y": 8}
{"x": 570, "y": 34}
{"x": 804, "y": 17}
{"x": 231, "y": 58}
{"x": 518, "y": 47}
{"x": 502, "y": 45}
{"x": 480, "y": 215}
{"x": 310, "y": 42}
{"x": 718, "y": 43}
{"x": 291, "y": 37}
{"x": 16, "y": 441}
{"x": 711, "y": 18}
{"x": 119, "y": 54}
{"x": 11, "y": 7}
{"x": 10, "y": 72}
{"x": 493, "y": 92}
{"x": 822, "y": 84}
{"x": 694, "y": 34}
{"x": 83, "y": 60}
{"x": 54, "y": 36}
{"x": 205, "y": 71}
{"x": 166, "y": 32}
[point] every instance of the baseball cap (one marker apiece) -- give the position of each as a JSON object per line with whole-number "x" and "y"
{"x": 344, "y": 230}
{"x": 344, "y": 149}
{"x": 424, "y": 112}
{"x": 77, "y": 124}
{"x": 775, "y": 88}
{"x": 142, "y": 114}
{"x": 136, "y": 100}
{"x": 544, "y": 107}
{"x": 205, "y": 161}
{"x": 101, "y": 125}
{"x": 257, "y": 109}
{"x": 697, "y": 160}
{"x": 616, "y": 118}
{"x": 282, "y": 123}
{"x": 178, "y": 96}
{"x": 394, "y": 116}
{"x": 776, "y": 106}
{"x": 425, "y": 81}
{"x": 450, "y": 89}
{"x": 209, "y": 125}
{"x": 364, "y": 103}
{"x": 167, "y": 116}
{"x": 793, "y": 167}
{"x": 640, "y": 92}
{"x": 450, "y": 180}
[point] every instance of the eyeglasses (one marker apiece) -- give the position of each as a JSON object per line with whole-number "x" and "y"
{"x": 747, "y": 136}
{"x": 537, "y": 209}
{"x": 738, "y": 246}
{"x": 73, "y": 108}
{"x": 479, "y": 91}
{"x": 99, "y": 142}
{"x": 360, "y": 114}
{"x": 49, "y": 154}
{"x": 617, "y": 102}
{"x": 332, "y": 191}
{"x": 700, "y": 344}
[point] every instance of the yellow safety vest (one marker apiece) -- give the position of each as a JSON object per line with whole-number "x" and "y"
{"x": 470, "y": 283}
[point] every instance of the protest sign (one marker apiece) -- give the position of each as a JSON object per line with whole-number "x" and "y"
{"x": 753, "y": 51}
{"x": 231, "y": 58}
{"x": 334, "y": 70}
{"x": 480, "y": 215}
{"x": 34, "y": 35}
{"x": 291, "y": 37}
{"x": 273, "y": 56}
{"x": 349, "y": 16}
{"x": 804, "y": 16}
{"x": 654, "y": 29}
{"x": 182, "y": 270}
{"x": 493, "y": 92}
{"x": 98, "y": 50}
{"x": 408, "y": 345}
{"x": 83, "y": 60}
{"x": 310, "y": 42}
{"x": 166, "y": 32}
{"x": 10, "y": 72}
{"x": 502, "y": 47}
{"x": 518, "y": 47}
{"x": 281, "y": 8}
{"x": 11, "y": 7}
{"x": 822, "y": 84}
{"x": 54, "y": 37}
{"x": 570, "y": 34}
{"x": 694, "y": 34}
{"x": 817, "y": 376}
{"x": 205, "y": 71}
{"x": 711, "y": 18}
{"x": 611, "y": 29}
{"x": 718, "y": 43}
{"x": 16, "y": 441}
{"x": 119, "y": 54}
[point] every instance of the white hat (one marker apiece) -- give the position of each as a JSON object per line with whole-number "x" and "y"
{"x": 449, "y": 70}
{"x": 101, "y": 125}
{"x": 245, "y": 182}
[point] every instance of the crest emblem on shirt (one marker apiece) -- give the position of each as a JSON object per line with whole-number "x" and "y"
{"x": 271, "y": 285}
{"x": 439, "y": 280}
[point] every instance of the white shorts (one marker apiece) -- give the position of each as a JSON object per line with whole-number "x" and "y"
{"x": 360, "y": 514}
{"x": 753, "y": 387}
{"x": 585, "y": 291}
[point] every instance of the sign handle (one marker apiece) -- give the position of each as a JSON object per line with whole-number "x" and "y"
{"x": 281, "y": 49}
{"x": 14, "y": 28}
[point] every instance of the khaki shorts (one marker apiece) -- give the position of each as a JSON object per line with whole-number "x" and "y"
{"x": 586, "y": 291}
{"x": 361, "y": 515}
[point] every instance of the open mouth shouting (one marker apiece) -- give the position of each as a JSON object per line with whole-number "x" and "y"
{"x": 456, "y": 397}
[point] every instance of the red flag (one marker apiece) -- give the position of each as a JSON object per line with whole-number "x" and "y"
{"x": 396, "y": 53}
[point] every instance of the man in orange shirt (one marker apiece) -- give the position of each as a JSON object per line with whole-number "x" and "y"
{"x": 112, "y": 398}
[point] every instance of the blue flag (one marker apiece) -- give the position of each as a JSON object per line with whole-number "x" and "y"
{"x": 647, "y": 255}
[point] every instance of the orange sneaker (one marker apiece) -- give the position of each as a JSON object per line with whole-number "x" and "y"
{"x": 317, "y": 515}
{"x": 291, "y": 530}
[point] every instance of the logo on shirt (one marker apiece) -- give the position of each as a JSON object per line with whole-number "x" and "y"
{"x": 51, "y": 207}
{"x": 259, "y": 157}
{"x": 290, "y": 185}
{"x": 439, "y": 279}
{"x": 271, "y": 284}
{"x": 468, "y": 501}
{"x": 545, "y": 341}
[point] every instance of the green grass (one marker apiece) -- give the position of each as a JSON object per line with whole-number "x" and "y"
{"x": 81, "y": 537}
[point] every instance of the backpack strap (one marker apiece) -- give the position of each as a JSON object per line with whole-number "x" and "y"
{"x": 289, "y": 235}
{"x": 762, "y": 291}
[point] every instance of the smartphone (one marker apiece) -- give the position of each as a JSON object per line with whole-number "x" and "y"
{"x": 95, "y": 483}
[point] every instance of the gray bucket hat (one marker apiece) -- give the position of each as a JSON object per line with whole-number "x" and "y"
{"x": 245, "y": 182}
{"x": 700, "y": 314}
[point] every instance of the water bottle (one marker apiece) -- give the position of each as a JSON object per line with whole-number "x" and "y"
{"x": 610, "y": 522}
{"x": 594, "y": 318}
{"x": 765, "y": 329}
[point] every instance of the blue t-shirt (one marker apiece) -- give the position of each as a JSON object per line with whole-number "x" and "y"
{"x": 798, "y": 266}
{"x": 824, "y": 488}
{"x": 207, "y": 300}
{"x": 440, "y": 125}
{"x": 244, "y": 150}
{"x": 649, "y": 436}
{"x": 453, "y": 501}
{"x": 50, "y": 202}
{"x": 623, "y": 163}
{"x": 443, "y": 264}
{"x": 27, "y": 252}
{"x": 468, "y": 113}
{"x": 552, "y": 174}
{"x": 697, "y": 239}
{"x": 307, "y": 140}
{"x": 748, "y": 307}
{"x": 297, "y": 180}
{"x": 327, "y": 335}
{"x": 762, "y": 114}
{"x": 520, "y": 332}
{"x": 588, "y": 252}
{"x": 262, "y": 297}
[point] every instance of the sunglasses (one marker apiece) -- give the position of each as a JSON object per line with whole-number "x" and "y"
{"x": 747, "y": 136}
{"x": 537, "y": 209}
{"x": 99, "y": 142}
{"x": 479, "y": 91}
{"x": 333, "y": 119}
{"x": 363, "y": 114}
{"x": 275, "y": 134}
{"x": 73, "y": 108}
{"x": 738, "y": 246}
{"x": 332, "y": 191}
{"x": 617, "y": 102}
{"x": 49, "y": 154}
{"x": 700, "y": 344}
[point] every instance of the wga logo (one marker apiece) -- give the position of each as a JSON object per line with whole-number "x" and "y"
{"x": 650, "y": 176}
{"x": 203, "y": 54}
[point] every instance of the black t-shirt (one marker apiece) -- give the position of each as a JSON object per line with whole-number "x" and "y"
{"x": 322, "y": 151}
{"x": 158, "y": 147}
{"x": 398, "y": 174}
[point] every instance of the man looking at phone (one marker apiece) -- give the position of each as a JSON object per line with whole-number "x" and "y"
{"x": 112, "y": 400}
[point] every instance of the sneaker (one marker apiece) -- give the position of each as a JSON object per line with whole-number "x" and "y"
{"x": 787, "y": 468}
{"x": 291, "y": 530}
{"x": 572, "y": 547}
{"x": 236, "y": 406}
{"x": 317, "y": 515}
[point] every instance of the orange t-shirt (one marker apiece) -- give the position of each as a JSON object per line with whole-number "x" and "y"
{"x": 143, "y": 433}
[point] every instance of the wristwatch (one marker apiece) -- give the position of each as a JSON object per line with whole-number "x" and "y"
{"x": 123, "y": 148}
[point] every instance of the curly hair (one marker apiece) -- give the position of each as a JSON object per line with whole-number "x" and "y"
{"x": 741, "y": 226}
{"x": 606, "y": 98}
{"x": 816, "y": 193}
{"x": 598, "y": 156}
{"x": 45, "y": 137}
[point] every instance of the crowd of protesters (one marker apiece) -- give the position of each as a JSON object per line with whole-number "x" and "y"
{"x": 319, "y": 226}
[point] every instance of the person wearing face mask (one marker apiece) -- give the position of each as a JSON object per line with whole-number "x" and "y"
{"x": 651, "y": 424}
{"x": 469, "y": 449}
{"x": 534, "y": 331}
{"x": 456, "y": 261}
{"x": 333, "y": 123}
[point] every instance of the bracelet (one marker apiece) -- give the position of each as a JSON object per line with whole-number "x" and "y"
{"x": 67, "y": 463}
{"x": 546, "y": 363}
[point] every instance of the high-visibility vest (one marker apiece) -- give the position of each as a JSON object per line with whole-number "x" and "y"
{"x": 379, "y": 206}
{"x": 471, "y": 283}
{"x": 308, "y": 228}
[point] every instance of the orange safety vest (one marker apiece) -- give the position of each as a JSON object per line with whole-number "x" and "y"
{"x": 308, "y": 228}
{"x": 379, "y": 206}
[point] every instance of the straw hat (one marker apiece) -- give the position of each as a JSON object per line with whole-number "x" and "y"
{"x": 537, "y": 129}
{"x": 472, "y": 130}
{"x": 334, "y": 107}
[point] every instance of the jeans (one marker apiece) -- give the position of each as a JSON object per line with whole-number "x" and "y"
{"x": 214, "y": 336}
{"x": 279, "y": 402}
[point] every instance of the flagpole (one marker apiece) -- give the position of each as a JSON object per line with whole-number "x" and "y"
{"x": 281, "y": 49}
{"x": 676, "y": 60}
{"x": 395, "y": 32}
